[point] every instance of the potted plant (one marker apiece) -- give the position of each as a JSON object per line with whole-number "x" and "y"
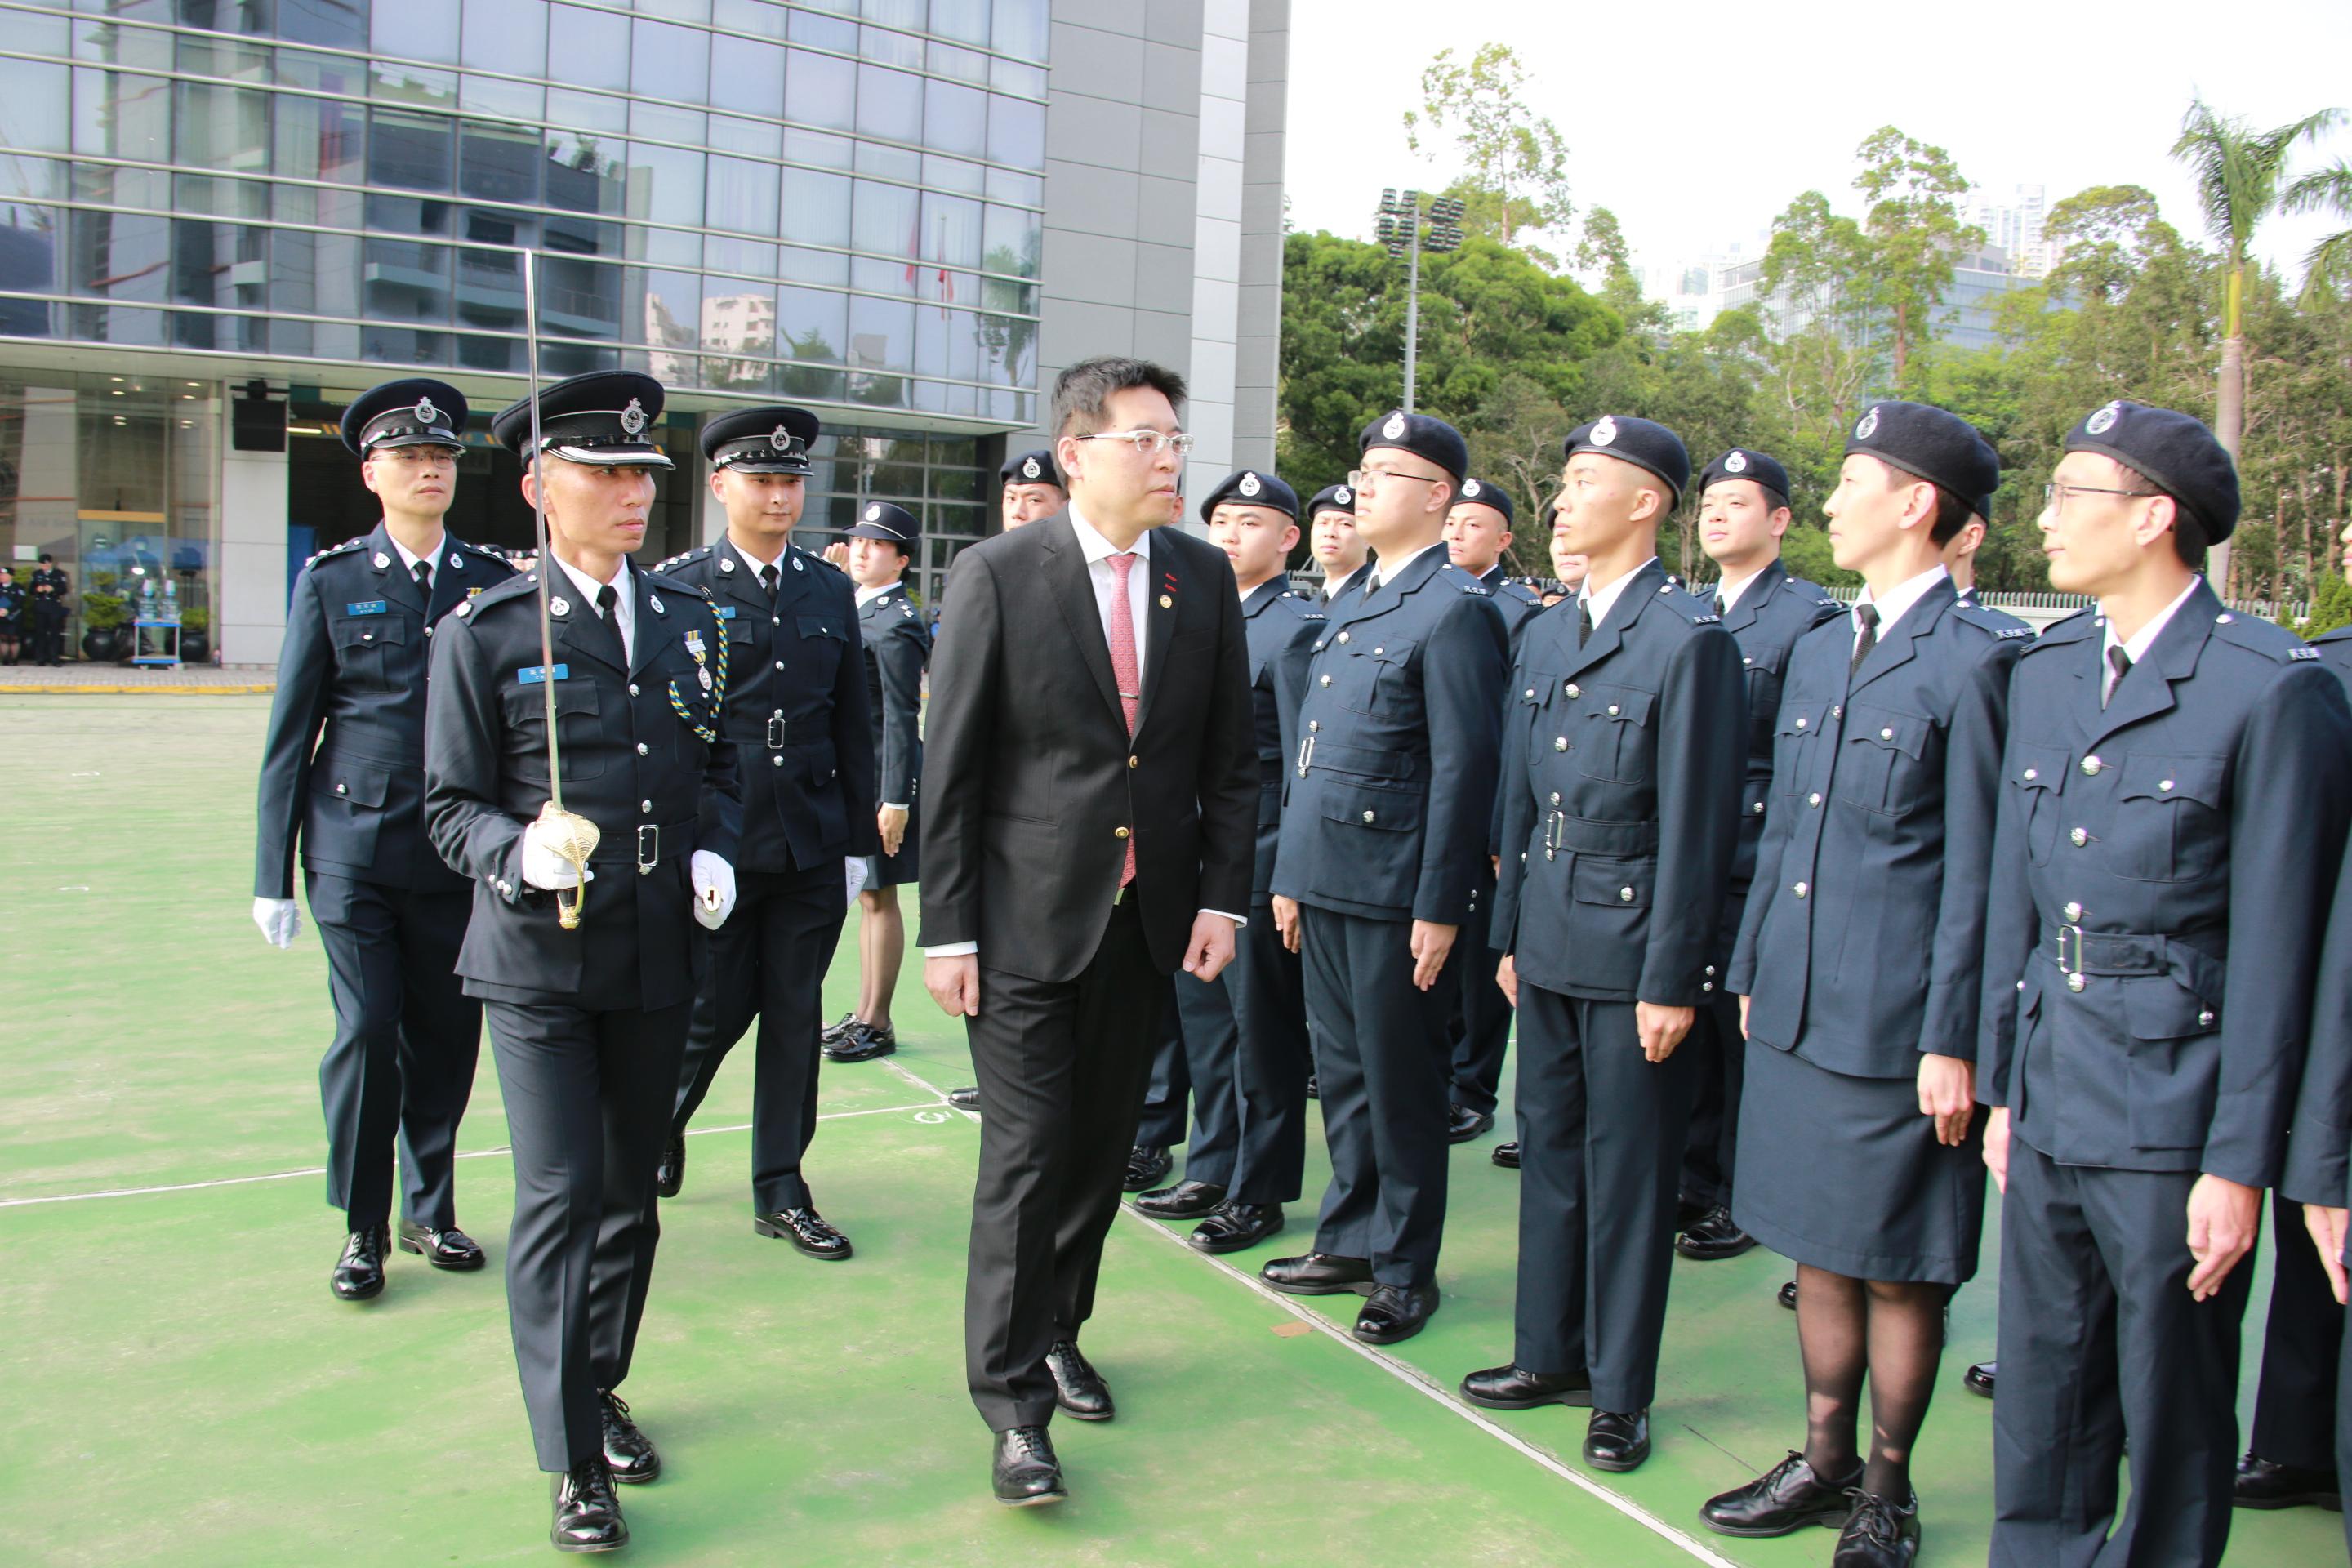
{"x": 195, "y": 640}
{"x": 105, "y": 622}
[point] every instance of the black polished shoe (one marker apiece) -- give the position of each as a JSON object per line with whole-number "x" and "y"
{"x": 1617, "y": 1439}
{"x": 832, "y": 1034}
{"x": 1789, "y": 1295}
{"x": 1147, "y": 1166}
{"x": 1026, "y": 1473}
{"x": 1514, "y": 1387}
{"x": 1314, "y": 1090}
{"x": 359, "y": 1272}
{"x": 807, "y": 1230}
{"x": 1185, "y": 1200}
{"x": 670, "y": 1174}
{"x": 964, "y": 1099}
{"x": 1078, "y": 1388}
{"x": 1319, "y": 1274}
{"x": 2261, "y": 1484}
{"x": 1879, "y": 1533}
{"x": 863, "y": 1043}
{"x": 1463, "y": 1124}
{"x": 1232, "y": 1227}
{"x": 587, "y": 1511}
{"x": 629, "y": 1454}
{"x": 1507, "y": 1155}
{"x": 1689, "y": 1211}
{"x": 1713, "y": 1237}
{"x": 1781, "y": 1501}
{"x": 450, "y": 1248}
{"x": 1396, "y": 1313}
{"x": 1978, "y": 1379}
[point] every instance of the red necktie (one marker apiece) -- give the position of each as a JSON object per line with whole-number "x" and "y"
{"x": 1122, "y": 667}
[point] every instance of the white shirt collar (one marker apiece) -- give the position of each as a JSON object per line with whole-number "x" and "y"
{"x": 1598, "y": 602}
{"x": 409, "y": 558}
{"x": 753, "y": 556}
{"x": 1901, "y": 597}
{"x": 1730, "y": 593}
{"x": 1389, "y": 571}
{"x": 867, "y": 595}
{"x": 623, "y": 587}
{"x": 1094, "y": 547}
{"x": 2144, "y": 638}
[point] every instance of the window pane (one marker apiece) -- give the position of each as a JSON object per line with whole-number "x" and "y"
{"x": 389, "y": 82}
{"x": 415, "y": 30}
{"x": 586, "y": 112}
{"x": 739, "y": 327}
{"x": 728, "y": 134}
{"x": 595, "y": 47}
{"x": 955, "y": 118}
{"x": 499, "y": 163}
{"x": 33, "y": 106}
{"x": 822, "y": 89}
{"x": 661, "y": 122}
{"x": 509, "y": 35}
{"x": 1005, "y": 76}
{"x": 953, "y": 174}
{"x": 747, "y": 77}
{"x": 813, "y": 266}
{"x": 669, "y": 61}
{"x": 584, "y": 174}
{"x": 665, "y": 184}
{"x": 407, "y": 280}
{"x": 742, "y": 196}
{"x": 952, "y": 230}
{"x": 818, "y": 149}
{"x": 816, "y": 208}
{"x": 964, "y": 19}
{"x": 673, "y": 310}
{"x": 122, "y": 116}
{"x": 29, "y": 264}
{"x": 507, "y": 100}
{"x": 1020, "y": 190}
{"x": 881, "y": 335}
{"x": 964, "y": 65}
{"x": 884, "y": 219}
{"x": 824, "y": 32}
{"x": 1019, "y": 28}
{"x": 335, "y": 24}
{"x": 812, "y": 327}
{"x": 409, "y": 151}
{"x": 677, "y": 10}
{"x": 748, "y": 257}
{"x": 890, "y": 49}
{"x": 913, "y": 15}
{"x": 889, "y": 163}
{"x": 1011, "y": 240}
{"x": 889, "y": 103}
{"x": 750, "y": 17}
{"x": 1016, "y": 131}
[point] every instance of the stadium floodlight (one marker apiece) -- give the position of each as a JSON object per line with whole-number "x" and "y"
{"x": 1406, "y": 228}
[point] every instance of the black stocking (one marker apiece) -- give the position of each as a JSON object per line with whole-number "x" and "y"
{"x": 1833, "y": 1333}
{"x": 1906, "y": 1352}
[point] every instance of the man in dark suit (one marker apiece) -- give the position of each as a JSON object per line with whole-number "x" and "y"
{"x": 796, "y": 715}
{"x": 587, "y": 1023}
{"x": 1381, "y": 865}
{"x": 1090, "y": 798}
{"x": 2170, "y": 826}
{"x": 390, "y": 915}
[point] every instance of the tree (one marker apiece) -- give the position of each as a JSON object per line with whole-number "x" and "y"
{"x": 2330, "y": 191}
{"x": 1515, "y": 176}
{"x": 1914, "y": 223}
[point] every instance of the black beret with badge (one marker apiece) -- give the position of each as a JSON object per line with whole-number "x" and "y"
{"x": 1745, "y": 463}
{"x": 600, "y": 418}
{"x": 417, "y": 412}
{"x": 1250, "y": 488}
{"x": 775, "y": 439}
{"x": 1644, "y": 443}
{"x": 1030, "y": 469}
{"x": 893, "y": 525}
{"x": 1332, "y": 498}
{"x": 1433, "y": 439}
{"x": 2175, "y": 452}
{"x": 1929, "y": 443}
{"x": 1476, "y": 492}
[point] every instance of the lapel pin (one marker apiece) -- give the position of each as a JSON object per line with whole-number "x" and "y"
{"x": 1167, "y": 601}
{"x": 457, "y": 562}
{"x": 654, "y": 600}
{"x": 796, "y": 565}
{"x": 382, "y": 561}
{"x": 725, "y": 565}
{"x": 559, "y": 606}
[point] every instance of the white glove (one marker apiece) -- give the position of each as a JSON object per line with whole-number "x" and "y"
{"x": 542, "y": 866}
{"x": 714, "y": 889}
{"x": 278, "y": 921}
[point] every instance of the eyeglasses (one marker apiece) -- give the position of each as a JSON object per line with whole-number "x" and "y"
{"x": 2053, "y": 496}
{"x": 1365, "y": 478}
{"x": 1148, "y": 443}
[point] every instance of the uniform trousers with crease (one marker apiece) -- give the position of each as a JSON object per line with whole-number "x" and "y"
{"x": 1276, "y": 1058}
{"x": 2302, "y": 1340}
{"x": 1195, "y": 1063}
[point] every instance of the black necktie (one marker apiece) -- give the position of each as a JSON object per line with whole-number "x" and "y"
{"x": 423, "y": 573}
{"x": 2120, "y": 662}
{"x": 1583, "y": 621}
{"x": 769, "y": 577}
{"x": 608, "y": 599}
{"x": 1868, "y": 615}
{"x": 1721, "y": 609}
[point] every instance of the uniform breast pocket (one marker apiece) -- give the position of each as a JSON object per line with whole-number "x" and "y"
{"x": 367, "y": 651}
{"x": 823, "y": 639}
{"x": 1614, "y": 739}
{"x": 577, "y": 731}
{"x": 1887, "y": 762}
{"x": 1762, "y": 670}
{"x": 2171, "y": 820}
{"x": 1377, "y": 676}
{"x": 2039, "y": 775}
{"x": 1794, "y": 733}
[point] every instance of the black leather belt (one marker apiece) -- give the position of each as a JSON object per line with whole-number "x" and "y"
{"x": 2078, "y": 951}
{"x": 642, "y": 848}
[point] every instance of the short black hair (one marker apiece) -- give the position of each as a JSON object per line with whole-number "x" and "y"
{"x": 1082, "y": 392}
{"x": 47, "y": 559}
{"x": 2190, "y": 540}
{"x": 1952, "y": 514}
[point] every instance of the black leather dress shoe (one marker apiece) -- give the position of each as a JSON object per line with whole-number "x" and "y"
{"x": 1078, "y": 1388}
{"x": 1713, "y": 1237}
{"x": 1689, "y": 1211}
{"x": 1396, "y": 1313}
{"x": 1185, "y": 1200}
{"x": 587, "y": 1511}
{"x": 1514, "y": 1387}
{"x": 629, "y": 1454}
{"x": 1781, "y": 1501}
{"x": 1147, "y": 1166}
{"x": 1026, "y": 1473}
{"x": 1507, "y": 1155}
{"x": 359, "y": 1272}
{"x": 2261, "y": 1484}
{"x": 1617, "y": 1439}
{"x": 832, "y": 1034}
{"x": 1879, "y": 1533}
{"x": 807, "y": 1230}
{"x": 670, "y": 1174}
{"x": 964, "y": 1099}
{"x": 1314, "y": 1090}
{"x": 1463, "y": 1124}
{"x": 1789, "y": 1295}
{"x": 1319, "y": 1274}
{"x": 450, "y": 1248}
{"x": 1978, "y": 1379}
{"x": 863, "y": 1043}
{"x": 1232, "y": 1227}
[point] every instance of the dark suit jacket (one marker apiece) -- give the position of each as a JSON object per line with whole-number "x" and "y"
{"x": 898, "y": 649}
{"x": 1772, "y": 615}
{"x": 1031, "y": 780}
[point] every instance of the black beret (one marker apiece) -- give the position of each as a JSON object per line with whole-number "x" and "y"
{"x": 1332, "y": 498}
{"x": 1644, "y": 443}
{"x": 1742, "y": 463}
{"x": 599, "y": 417}
{"x": 775, "y": 439}
{"x": 417, "y": 411}
{"x": 1422, "y": 437}
{"x": 1035, "y": 467}
{"x": 895, "y": 524}
{"x": 2177, "y": 453}
{"x": 1481, "y": 492}
{"x": 1932, "y": 443}
{"x": 1250, "y": 488}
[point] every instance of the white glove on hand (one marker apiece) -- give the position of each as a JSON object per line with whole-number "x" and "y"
{"x": 714, "y": 889}
{"x": 278, "y": 921}
{"x": 542, "y": 866}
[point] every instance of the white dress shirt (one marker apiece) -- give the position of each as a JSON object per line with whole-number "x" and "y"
{"x": 1598, "y": 602}
{"x": 1729, "y": 591}
{"x": 1898, "y": 599}
{"x": 409, "y": 558}
{"x": 753, "y": 557}
{"x": 867, "y": 595}
{"x": 625, "y": 608}
{"x": 1385, "y": 571}
{"x": 2141, "y": 641}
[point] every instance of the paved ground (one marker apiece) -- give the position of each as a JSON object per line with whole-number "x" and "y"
{"x": 181, "y": 1387}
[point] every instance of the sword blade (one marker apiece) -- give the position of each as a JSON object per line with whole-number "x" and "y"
{"x": 538, "y": 512}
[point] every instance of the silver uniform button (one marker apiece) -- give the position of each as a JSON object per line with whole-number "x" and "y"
{"x": 2091, "y": 766}
{"x": 1801, "y": 723}
{"x": 647, "y": 806}
{"x": 1529, "y": 692}
{"x": 2073, "y": 913}
{"x": 2205, "y": 1018}
{"x": 1327, "y": 679}
{"x": 780, "y": 664}
{"x": 1574, "y": 690}
{"x": 1612, "y": 710}
{"x": 1760, "y": 808}
{"x": 1343, "y": 637}
{"x": 1624, "y": 895}
{"x": 1706, "y": 985}
{"x": 1886, "y": 734}
{"x": 1379, "y": 650}
{"x": 343, "y": 789}
{"x": 1555, "y": 797}
{"x": 1559, "y": 743}
{"x": 1314, "y": 725}
{"x": 1837, "y": 712}
{"x": 778, "y": 761}
{"x": 1368, "y": 816}
{"x": 1814, "y": 799}
{"x": 633, "y": 689}
{"x": 1800, "y": 889}
{"x": 2076, "y": 983}
{"x": 2165, "y": 785}
{"x": 2033, "y": 774}
{"x": 641, "y": 748}
{"x": 2081, "y": 836}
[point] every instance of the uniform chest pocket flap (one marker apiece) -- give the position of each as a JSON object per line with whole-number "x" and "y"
{"x": 823, "y": 638}
{"x": 351, "y": 783}
{"x": 576, "y": 706}
{"x": 1625, "y": 884}
{"x": 1372, "y": 678}
{"x": 2038, "y": 775}
{"x": 1381, "y": 810}
{"x": 1613, "y": 743}
{"x": 2169, "y": 824}
{"x": 1884, "y": 765}
{"x": 370, "y": 631}
{"x": 1792, "y": 736}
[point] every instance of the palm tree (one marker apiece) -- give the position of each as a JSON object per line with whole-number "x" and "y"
{"x": 2239, "y": 175}
{"x": 2329, "y": 264}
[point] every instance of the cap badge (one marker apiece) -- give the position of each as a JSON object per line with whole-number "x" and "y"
{"x": 382, "y": 561}
{"x": 1736, "y": 463}
{"x": 425, "y": 412}
{"x": 633, "y": 418}
{"x": 559, "y": 606}
{"x": 725, "y": 565}
{"x": 1470, "y": 490}
{"x": 2101, "y": 421}
{"x": 1606, "y": 431}
{"x": 654, "y": 600}
{"x": 1869, "y": 425}
{"x": 781, "y": 440}
{"x": 873, "y": 513}
{"x": 1249, "y": 485}
{"x": 1029, "y": 469}
{"x": 1394, "y": 430}
{"x": 1344, "y": 496}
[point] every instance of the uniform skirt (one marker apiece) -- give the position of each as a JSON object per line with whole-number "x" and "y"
{"x": 1845, "y": 1173}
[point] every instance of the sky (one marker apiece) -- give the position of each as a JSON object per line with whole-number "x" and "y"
{"x": 1695, "y": 121}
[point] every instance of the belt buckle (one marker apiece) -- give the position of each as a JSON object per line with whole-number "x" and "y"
{"x": 1306, "y": 754}
{"x": 776, "y": 731}
{"x": 2075, "y": 968}
{"x": 1555, "y": 834}
{"x": 648, "y": 847}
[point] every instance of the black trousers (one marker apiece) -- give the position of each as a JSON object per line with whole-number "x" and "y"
{"x": 407, "y": 1040}
{"x": 1600, "y": 1135}
{"x": 1060, "y": 1066}
{"x": 1166, "y": 1084}
{"x": 1479, "y": 1032}
{"x": 1196, "y": 1057}
{"x": 585, "y": 1093}
{"x": 48, "y": 636}
{"x": 768, "y": 960}
{"x": 1270, "y": 1014}
{"x": 2302, "y": 1340}
{"x": 1718, "y": 1054}
{"x": 2100, "y": 1343}
{"x": 1382, "y": 1065}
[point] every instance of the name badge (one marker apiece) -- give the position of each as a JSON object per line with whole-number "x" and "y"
{"x": 726, "y": 611}
{"x": 365, "y": 607}
{"x": 539, "y": 672}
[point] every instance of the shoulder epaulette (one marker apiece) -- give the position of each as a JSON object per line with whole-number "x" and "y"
{"x": 519, "y": 585}
{"x": 345, "y": 548}
{"x": 2341, "y": 634}
{"x": 2305, "y": 652}
{"x": 2258, "y": 636}
{"x": 818, "y": 561}
{"x": 2001, "y": 627}
{"x": 697, "y": 554}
